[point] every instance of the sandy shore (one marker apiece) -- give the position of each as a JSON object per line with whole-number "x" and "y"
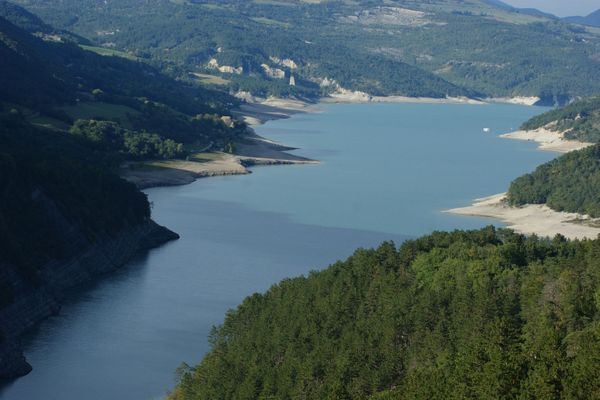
{"x": 257, "y": 111}
{"x": 254, "y": 150}
{"x": 249, "y": 151}
{"x": 524, "y": 101}
{"x": 533, "y": 218}
{"x": 179, "y": 172}
{"x": 360, "y": 97}
{"x": 548, "y": 140}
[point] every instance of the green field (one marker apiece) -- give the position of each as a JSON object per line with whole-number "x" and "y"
{"x": 211, "y": 79}
{"x": 100, "y": 110}
{"x": 103, "y": 51}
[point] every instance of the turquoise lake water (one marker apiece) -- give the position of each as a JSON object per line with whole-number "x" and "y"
{"x": 387, "y": 172}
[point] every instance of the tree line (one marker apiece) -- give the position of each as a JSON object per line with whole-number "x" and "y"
{"x": 458, "y": 315}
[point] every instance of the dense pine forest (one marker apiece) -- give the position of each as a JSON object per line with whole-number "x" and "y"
{"x": 572, "y": 181}
{"x": 568, "y": 183}
{"x": 461, "y": 315}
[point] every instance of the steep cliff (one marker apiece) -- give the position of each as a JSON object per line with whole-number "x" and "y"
{"x": 65, "y": 219}
{"x": 32, "y": 303}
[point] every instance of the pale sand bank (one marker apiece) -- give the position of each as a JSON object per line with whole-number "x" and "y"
{"x": 533, "y": 218}
{"x": 522, "y": 100}
{"x": 179, "y": 172}
{"x": 257, "y": 111}
{"x": 249, "y": 151}
{"x": 361, "y": 97}
{"x": 255, "y": 150}
{"x": 548, "y": 140}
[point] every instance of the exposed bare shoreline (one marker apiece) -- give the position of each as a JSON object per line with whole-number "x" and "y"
{"x": 360, "y": 98}
{"x": 256, "y": 150}
{"x": 533, "y": 218}
{"x": 548, "y": 140}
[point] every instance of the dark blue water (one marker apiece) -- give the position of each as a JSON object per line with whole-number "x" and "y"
{"x": 387, "y": 171}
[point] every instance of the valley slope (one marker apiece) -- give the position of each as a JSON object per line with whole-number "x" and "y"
{"x": 68, "y": 119}
{"x": 430, "y": 49}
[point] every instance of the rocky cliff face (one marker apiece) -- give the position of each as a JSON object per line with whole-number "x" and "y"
{"x": 32, "y": 303}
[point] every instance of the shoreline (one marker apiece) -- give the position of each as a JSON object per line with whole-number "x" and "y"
{"x": 538, "y": 219}
{"x": 547, "y": 140}
{"x": 363, "y": 98}
{"x": 258, "y": 111}
{"x": 253, "y": 150}
{"x": 256, "y": 150}
{"x": 182, "y": 172}
{"x": 520, "y": 100}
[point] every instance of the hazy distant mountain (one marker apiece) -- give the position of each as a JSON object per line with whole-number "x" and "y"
{"x": 527, "y": 11}
{"x": 535, "y": 12}
{"x": 593, "y": 19}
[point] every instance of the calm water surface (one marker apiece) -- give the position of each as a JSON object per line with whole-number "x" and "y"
{"x": 387, "y": 171}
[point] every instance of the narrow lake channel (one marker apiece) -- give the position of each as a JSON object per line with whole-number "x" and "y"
{"x": 387, "y": 172}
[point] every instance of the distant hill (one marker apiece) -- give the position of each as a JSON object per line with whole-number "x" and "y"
{"x": 400, "y": 47}
{"x": 593, "y": 19}
{"x": 23, "y": 18}
{"x": 54, "y": 82}
{"x": 579, "y": 120}
{"x": 528, "y": 11}
{"x": 535, "y": 12}
{"x": 34, "y": 24}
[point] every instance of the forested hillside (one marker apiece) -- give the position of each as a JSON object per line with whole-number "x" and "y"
{"x": 68, "y": 119}
{"x": 482, "y": 314}
{"x": 402, "y": 47}
{"x": 58, "y": 200}
{"x": 568, "y": 183}
{"x": 579, "y": 120}
{"x": 572, "y": 181}
{"x": 142, "y": 113}
{"x": 44, "y": 174}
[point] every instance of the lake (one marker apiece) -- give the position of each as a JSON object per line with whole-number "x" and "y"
{"x": 387, "y": 172}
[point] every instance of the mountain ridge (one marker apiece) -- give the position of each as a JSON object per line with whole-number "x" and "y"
{"x": 363, "y": 46}
{"x": 592, "y": 19}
